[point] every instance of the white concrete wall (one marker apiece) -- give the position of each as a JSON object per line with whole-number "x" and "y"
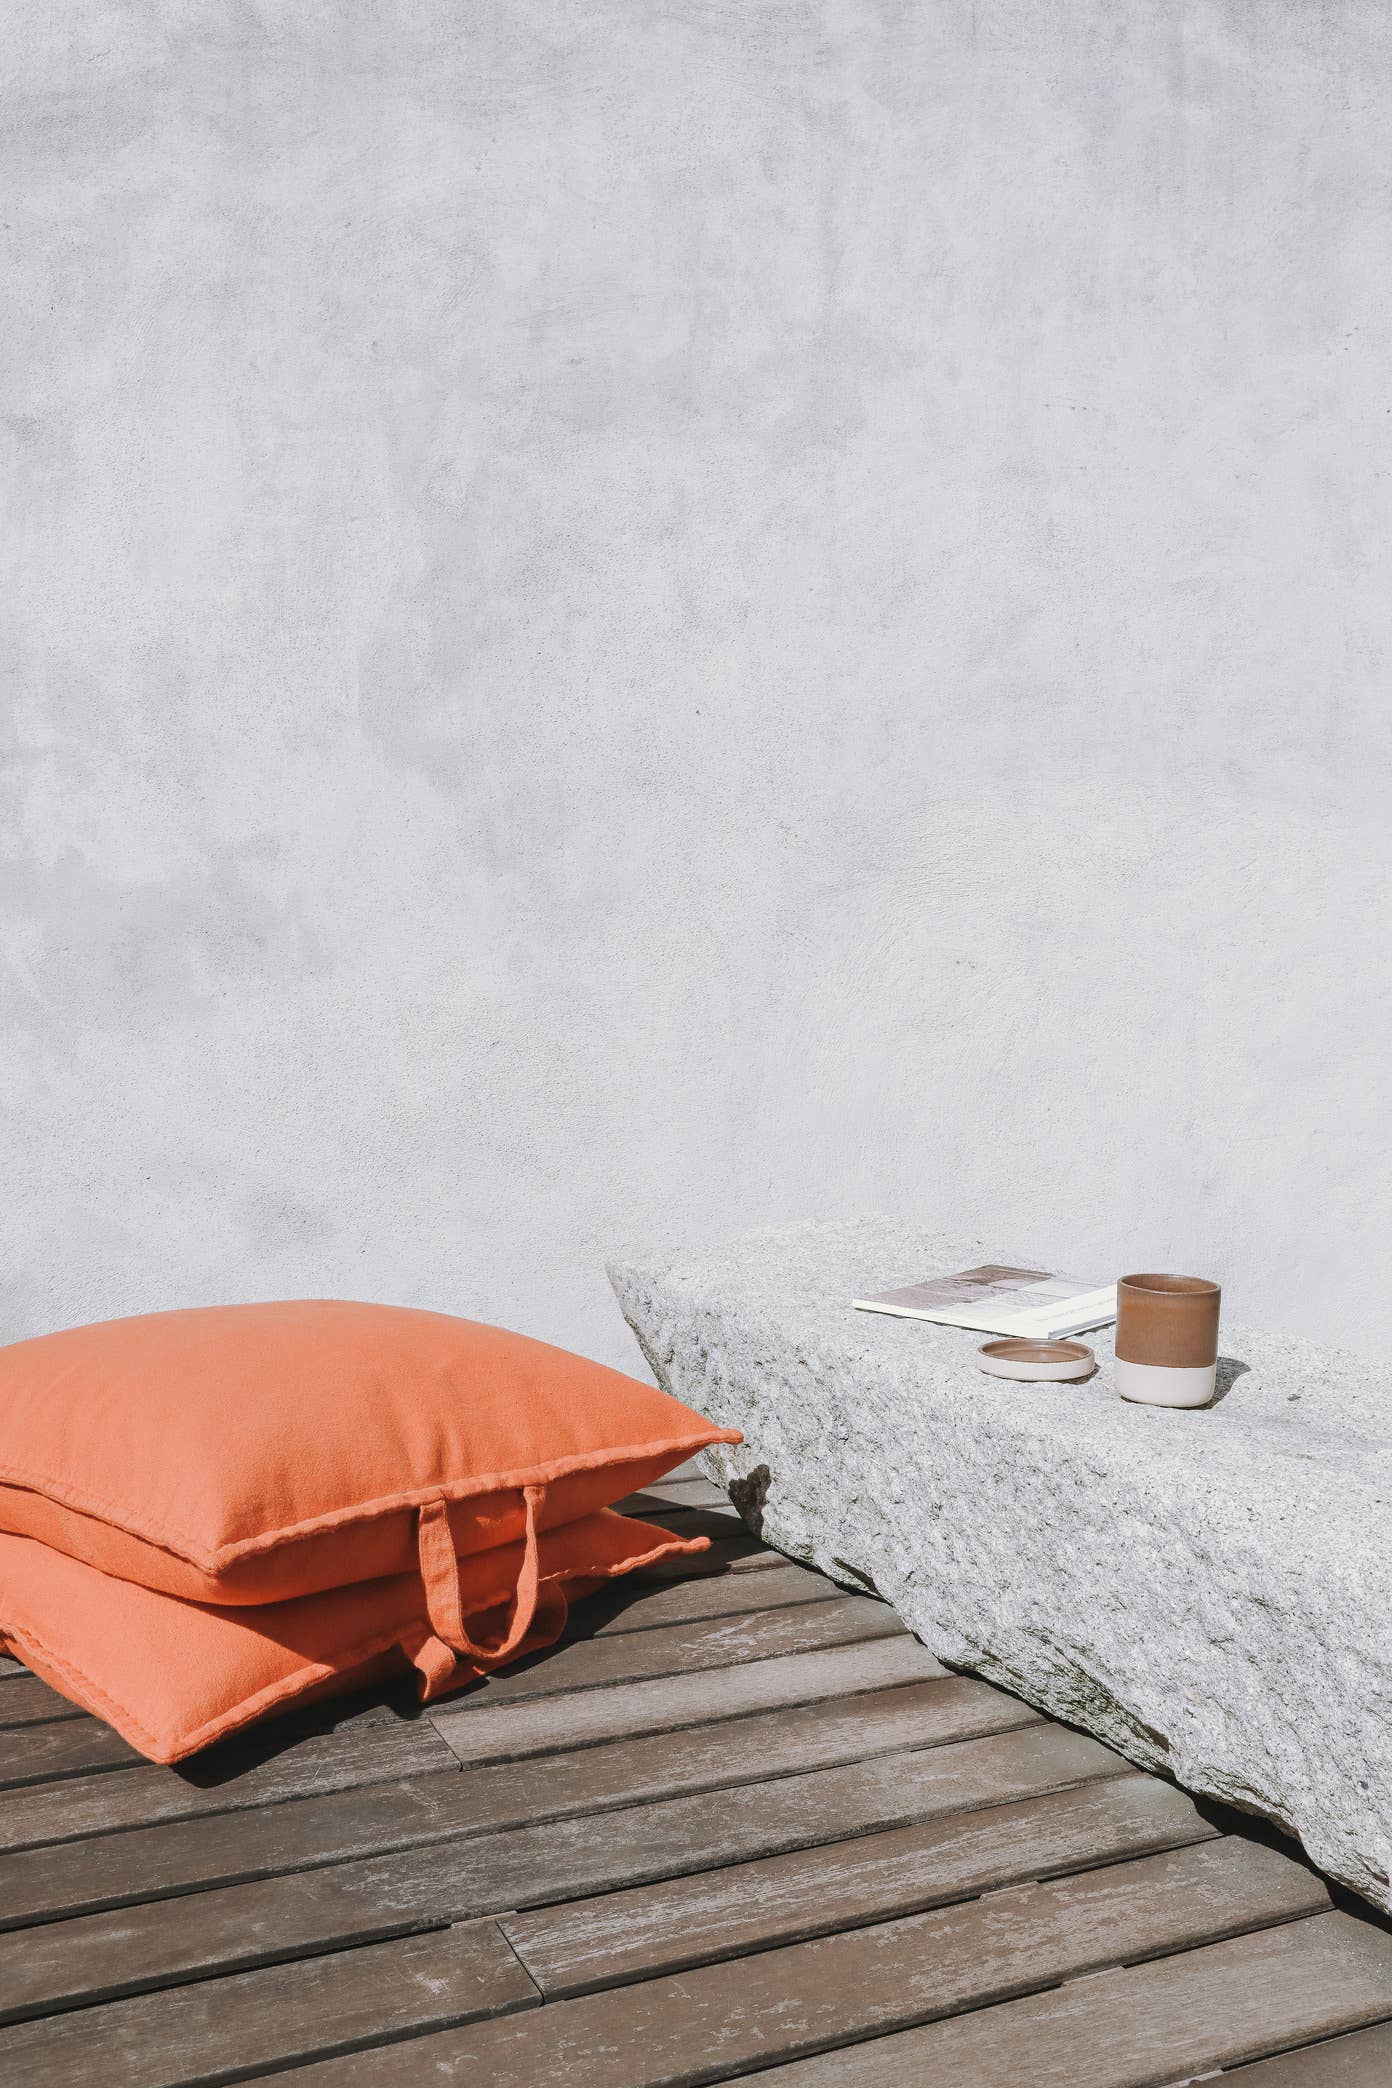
{"x": 628, "y": 617}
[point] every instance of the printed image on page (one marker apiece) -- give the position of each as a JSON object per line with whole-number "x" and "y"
{"x": 1011, "y": 1290}
{"x": 1000, "y": 1299}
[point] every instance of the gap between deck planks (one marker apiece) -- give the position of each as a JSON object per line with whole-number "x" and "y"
{"x": 1149, "y": 2023}
{"x": 709, "y": 2026}
{"x": 869, "y": 1980}
{"x": 752, "y": 1857}
{"x": 67, "y": 1963}
{"x": 25, "y": 1701}
{"x": 109, "y": 1870}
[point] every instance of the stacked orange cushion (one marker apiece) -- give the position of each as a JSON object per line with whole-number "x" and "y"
{"x": 350, "y": 1475}
{"x": 173, "y": 1676}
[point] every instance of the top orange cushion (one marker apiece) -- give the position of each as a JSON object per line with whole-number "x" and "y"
{"x": 251, "y": 1453}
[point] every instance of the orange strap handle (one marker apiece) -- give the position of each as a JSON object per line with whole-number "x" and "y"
{"x": 439, "y": 1568}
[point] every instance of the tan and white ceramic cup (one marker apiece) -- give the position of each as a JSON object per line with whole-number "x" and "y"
{"x": 1167, "y": 1339}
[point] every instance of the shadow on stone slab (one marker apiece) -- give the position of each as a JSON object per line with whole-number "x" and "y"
{"x": 749, "y": 1495}
{"x": 1229, "y": 1371}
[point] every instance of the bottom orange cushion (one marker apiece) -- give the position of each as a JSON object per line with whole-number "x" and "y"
{"x": 174, "y": 1676}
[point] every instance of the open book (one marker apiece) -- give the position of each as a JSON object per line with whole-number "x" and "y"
{"x": 1030, "y": 1303}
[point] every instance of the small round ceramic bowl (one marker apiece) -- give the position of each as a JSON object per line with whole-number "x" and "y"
{"x": 1039, "y": 1362}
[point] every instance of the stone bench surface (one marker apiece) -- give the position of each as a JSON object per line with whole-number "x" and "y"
{"x": 1210, "y": 1591}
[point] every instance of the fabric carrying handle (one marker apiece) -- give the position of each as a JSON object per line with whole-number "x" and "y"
{"x": 437, "y": 1655}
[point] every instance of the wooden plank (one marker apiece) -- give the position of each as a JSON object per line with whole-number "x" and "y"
{"x": 97, "y": 1957}
{"x": 66, "y": 1747}
{"x": 484, "y": 1731}
{"x": 704, "y": 1521}
{"x": 737, "y": 1553}
{"x": 149, "y": 1863}
{"x": 1361, "y": 2060}
{"x": 784, "y": 1899}
{"x": 640, "y": 1606}
{"x": 259, "y": 1769}
{"x": 682, "y": 1490}
{"x": 1162, "y": 2022}
{"x": 676, "y": 1649}
{"x": 722, "y": 2019}
{"x": 28, "y": 1701}
{"x": 692, "y": 1469}
{"x": 825, "y": 1733}
{"x": 273, "y": 2017}
{"x": 82, "y": 1746}
{"x": 196, "y": 1854}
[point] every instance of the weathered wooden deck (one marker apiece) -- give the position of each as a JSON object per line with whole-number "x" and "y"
{"x": 738, "y": 1823}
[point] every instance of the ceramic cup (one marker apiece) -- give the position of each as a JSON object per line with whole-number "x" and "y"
{"x": 1167, "y": 1339}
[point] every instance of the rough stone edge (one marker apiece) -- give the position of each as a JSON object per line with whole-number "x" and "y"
{"x": 1073, "y": 1695}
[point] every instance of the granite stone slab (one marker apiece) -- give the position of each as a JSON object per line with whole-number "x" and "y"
{"x": 1210, "y": 1592}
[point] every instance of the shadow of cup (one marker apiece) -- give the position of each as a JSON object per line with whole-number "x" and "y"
{"x": 1226, "y": 1375}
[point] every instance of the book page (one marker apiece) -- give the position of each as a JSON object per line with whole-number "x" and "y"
{"x": 1000, "y": 1289}
{"x": 998, "y": 1299}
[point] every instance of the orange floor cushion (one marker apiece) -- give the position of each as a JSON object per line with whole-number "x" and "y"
{"x": 254, "y": 1453}
{"x": 173, "y": 1676}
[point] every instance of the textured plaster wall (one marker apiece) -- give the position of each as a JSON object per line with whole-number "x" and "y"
{"x": 625, "y": 617}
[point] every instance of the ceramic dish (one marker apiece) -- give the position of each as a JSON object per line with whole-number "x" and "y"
{"x": 1051, "y": 1362}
